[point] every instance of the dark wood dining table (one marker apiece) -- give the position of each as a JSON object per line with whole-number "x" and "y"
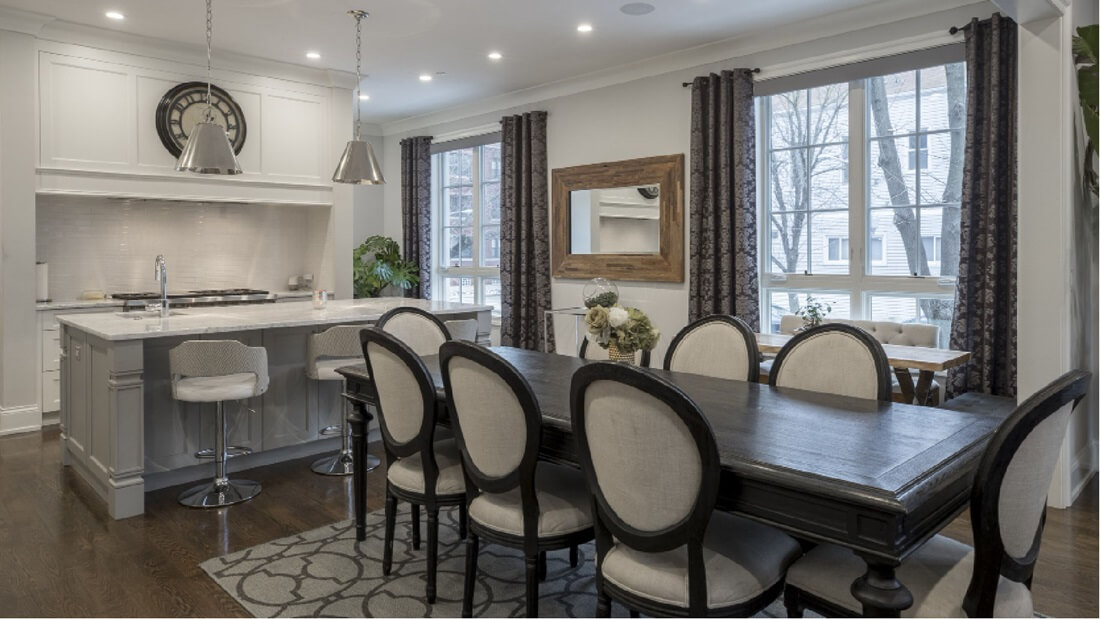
{"x": 879, "y": 478}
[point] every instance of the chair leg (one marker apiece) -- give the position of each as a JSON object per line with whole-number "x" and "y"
{"x": 792, "y": 603}
{"x": 462, "y": 522}
{"x": 433, "y": 537}
{"x": 388, "y": 543}
{"x": 415, "y": 523}
{"x": 603, "y": 605}
{"x": 531, "y": 582}
{"x": 471, "y": 575}
{"x": 543, "y": 566}
{"x": 573, "y": 556}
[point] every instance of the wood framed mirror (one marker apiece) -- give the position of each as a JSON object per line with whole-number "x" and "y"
{"x": 623, "y": 220}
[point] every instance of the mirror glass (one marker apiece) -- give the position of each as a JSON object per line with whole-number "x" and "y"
{"x": 619, "y": 220}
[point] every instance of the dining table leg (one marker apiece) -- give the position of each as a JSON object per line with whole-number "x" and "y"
{"x": 878, "y": 591}
{"x": 905, "y": 384}
{"x": 358, "y": 419}
{"x": 924, "y": 382}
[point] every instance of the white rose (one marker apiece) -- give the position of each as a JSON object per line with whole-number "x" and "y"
{"x": 617, "y": 317}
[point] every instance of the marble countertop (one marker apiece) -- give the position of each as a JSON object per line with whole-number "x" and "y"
{"x": 83, "y": 303}
{"x": 116, "y": 326}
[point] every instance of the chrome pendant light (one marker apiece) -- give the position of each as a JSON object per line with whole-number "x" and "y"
{"x": 358, "y": 164}
{"x": 208, "y": 150}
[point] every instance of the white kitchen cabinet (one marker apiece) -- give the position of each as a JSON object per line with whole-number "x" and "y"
{"x": 49, "y": 356}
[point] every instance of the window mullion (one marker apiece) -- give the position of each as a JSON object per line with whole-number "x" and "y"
{"x": 858, "y": 197}
{"x": 476, "y": 201}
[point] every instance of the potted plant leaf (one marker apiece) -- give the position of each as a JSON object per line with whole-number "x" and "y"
{"x": 377, "y": 263}
{"x": 813, "y": 313}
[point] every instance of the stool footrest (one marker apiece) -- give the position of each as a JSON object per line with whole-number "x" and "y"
{"x": 331, "y": 431}
{"x": 232, "y": 451}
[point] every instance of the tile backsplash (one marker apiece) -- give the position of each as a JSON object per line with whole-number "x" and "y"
{"x": 109, "y": 244}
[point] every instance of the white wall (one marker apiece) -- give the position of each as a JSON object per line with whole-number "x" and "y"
{"x": 647, "y": 117}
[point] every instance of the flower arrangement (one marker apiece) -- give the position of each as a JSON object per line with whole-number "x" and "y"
{"x": 621, "y": 329}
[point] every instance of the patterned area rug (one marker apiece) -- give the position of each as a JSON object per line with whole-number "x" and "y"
{"x": 325, "y": 573}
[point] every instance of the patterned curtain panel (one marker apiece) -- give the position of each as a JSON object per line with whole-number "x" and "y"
{"x": 985, "y": 320}
{"x": 723, "y": 210}
{"x": 525, "y": 232}
{"x": 416, "y": 210}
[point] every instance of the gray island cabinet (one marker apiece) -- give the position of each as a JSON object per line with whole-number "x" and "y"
{"x": 124, "y": 433}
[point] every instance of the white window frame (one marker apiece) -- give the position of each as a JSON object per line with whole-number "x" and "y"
{"x": 843, "y": 250}
{"x": 858, "y": 283}
{"x": 477, "y": 272}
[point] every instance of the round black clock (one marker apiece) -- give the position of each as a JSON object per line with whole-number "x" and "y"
{"x": 185, "y": 104}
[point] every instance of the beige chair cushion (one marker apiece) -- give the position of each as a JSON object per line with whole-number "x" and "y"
{"x": 326, "y": 366}
{"x": 491, "y": 417}
{"x": 466, "y": 330}
{"x": 563, "y": 504}
{"x": 239, "y": 386}
{"x": 830, "y": 362}
{"x": 408, "y": 474}
{"x": 742, "y": 559}
{"x": 714, "y": 349}
{"x": 937, "y": 574}
{"x": 419, "y": 333}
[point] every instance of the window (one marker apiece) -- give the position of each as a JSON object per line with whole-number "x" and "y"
{"x": 871, "y": 169}
{"x": 919, "y": 150}
{"x": 467, "y": 183}
{"x": 931, "y": 243}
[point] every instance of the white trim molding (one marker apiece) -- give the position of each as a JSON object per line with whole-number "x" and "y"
{"x": 17, "y": 419}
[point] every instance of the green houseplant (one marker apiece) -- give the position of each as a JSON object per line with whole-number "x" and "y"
{"x": 1085, "y": 59}
{"x": 377, "y": 263}
{"x": 813, "y": 313}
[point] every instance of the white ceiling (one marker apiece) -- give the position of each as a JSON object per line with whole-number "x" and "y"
{"x": 404, "y": 38}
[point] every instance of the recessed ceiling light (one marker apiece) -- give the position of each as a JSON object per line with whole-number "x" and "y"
{"x": 494, "y": 55}
{"x": 313, "y": 55}
{"x": 426, "y": 77}
{"x": 364, "y": 97}
{"x": 114, "y": 15}
{"x": 585, "y": 28}
{"x": 636, "y": 8}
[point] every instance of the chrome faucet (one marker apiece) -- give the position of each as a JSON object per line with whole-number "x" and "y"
{"x": 160, "y": 273}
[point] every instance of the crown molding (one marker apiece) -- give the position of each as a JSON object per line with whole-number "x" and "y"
{"x": 842, "y": 22}
{"x": 24, "y": 22}
{"x": 64, "y": 32}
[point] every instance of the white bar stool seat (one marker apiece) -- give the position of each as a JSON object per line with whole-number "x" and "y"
{"x": 335, "y": 348}
{"x": 217, "y": 371}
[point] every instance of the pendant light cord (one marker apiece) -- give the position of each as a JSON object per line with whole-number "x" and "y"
{"x": 359, "y": 58}
{"x": 209, "y": 31}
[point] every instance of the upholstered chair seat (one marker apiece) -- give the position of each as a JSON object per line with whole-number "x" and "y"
{"x": 419, "y": 330}
{"x": 1009, "y": 493}
{"x": 662, "y": 549}
{"x": 834, "y": 358}
{"x": 563, "y": 504}
{"x": 408, "y": 473}
{"x": 240, "y": 386}
{"x": 513, "y": 499}
{"x": 334, "y": 348}
{"x": 466, "y": 330}
{"x": 326, "y": 368}
{"x": 937, "y": 575}
{"x": 742, "y": 559}
{"x": 720, "y": 346}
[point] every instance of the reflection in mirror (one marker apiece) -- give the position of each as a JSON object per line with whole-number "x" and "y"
{"x": 619, "y": 220}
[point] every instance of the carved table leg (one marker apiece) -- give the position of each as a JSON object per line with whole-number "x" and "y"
{"x": 358, "y": 420}
{"x": 925, "y": 381}
{"x": 905, "y": 384}
{"x": 880, "y": 593}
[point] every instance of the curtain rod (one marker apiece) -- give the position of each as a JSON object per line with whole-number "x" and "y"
{"x": 967, "y": 26}
{"x": 753, "y": 70}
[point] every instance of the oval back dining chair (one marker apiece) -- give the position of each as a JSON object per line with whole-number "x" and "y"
{"x": 419, "y": 469}
{"x": 720, "y": 345}
{"x": 595, "y": 352}
{"x": 421, "y": 331}
{"x": 513, "y": 499}
{"x": 1009, "y": 493}
{"x": 834, "y": 358}
{"x": 662, "y": 549}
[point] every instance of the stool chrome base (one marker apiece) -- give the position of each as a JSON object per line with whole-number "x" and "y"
{"x": 341, "y": 464}
{"x": 212, "y": 494}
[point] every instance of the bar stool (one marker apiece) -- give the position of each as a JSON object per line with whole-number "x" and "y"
{"x": 325, "y": 352}
{"x": 216, "y": 371}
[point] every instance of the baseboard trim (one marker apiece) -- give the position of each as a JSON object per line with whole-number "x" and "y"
{"x": 17, "y": 419}
{"x": 51, "y": 419}
{"x": 1082, "y": 470}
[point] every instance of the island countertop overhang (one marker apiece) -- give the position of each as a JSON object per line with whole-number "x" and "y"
{"x": 116, "y": 326}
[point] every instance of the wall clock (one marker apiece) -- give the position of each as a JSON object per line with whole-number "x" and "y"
{"x": 183, "y": 106}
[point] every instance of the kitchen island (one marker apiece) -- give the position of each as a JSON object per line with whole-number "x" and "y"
{"x": 124, "y": 433}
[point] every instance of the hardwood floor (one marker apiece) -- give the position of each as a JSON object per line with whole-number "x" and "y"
{"x": 62, "y": 555}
